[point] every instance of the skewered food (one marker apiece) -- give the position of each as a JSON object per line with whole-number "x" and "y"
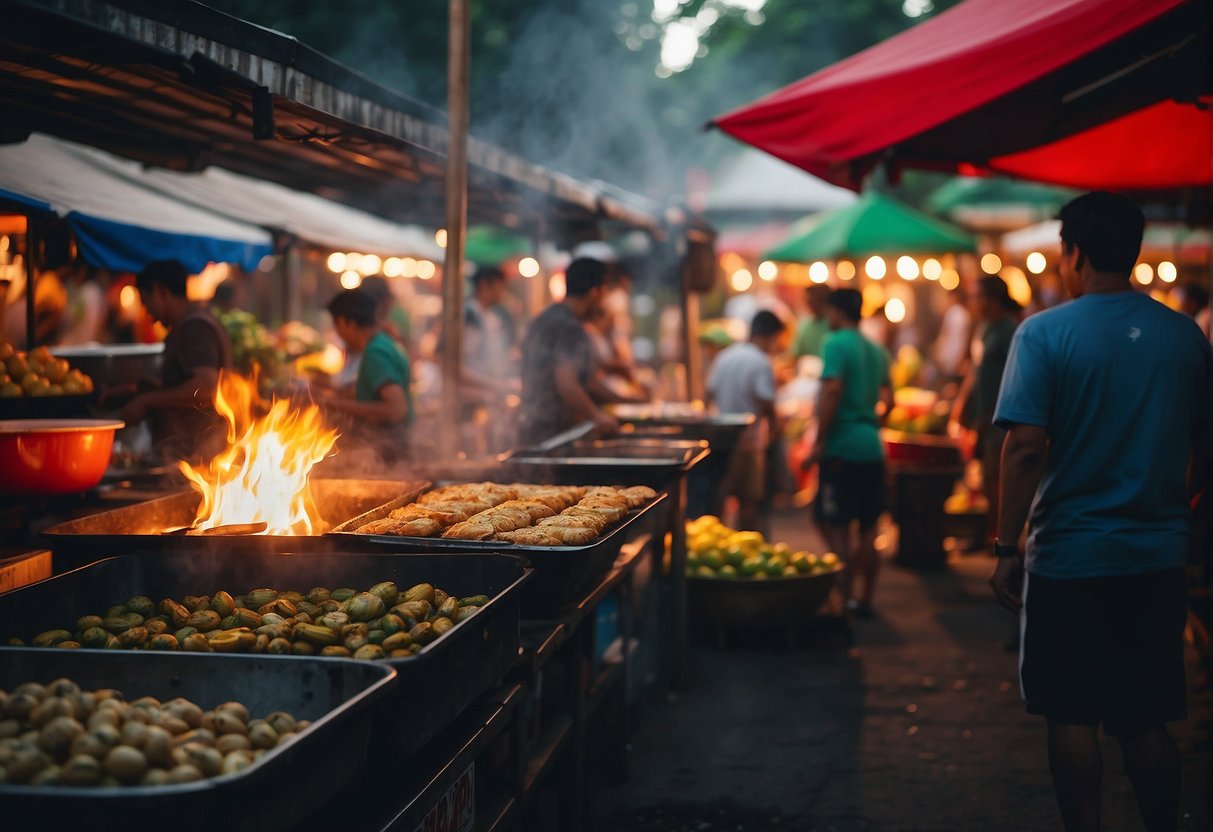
{"x": 533, "y": 515}
{"x": 285, "y": 622}
{"x": 99, "y": 739}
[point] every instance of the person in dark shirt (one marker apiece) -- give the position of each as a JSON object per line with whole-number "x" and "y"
{"x": 998, "y": 315}
{"x": 558, "y": 383}
{"x": 181, "y": 412}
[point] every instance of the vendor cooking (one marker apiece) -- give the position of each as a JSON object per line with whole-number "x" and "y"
{"x": 181, "y": 410}
{"x": 382, "y": 406}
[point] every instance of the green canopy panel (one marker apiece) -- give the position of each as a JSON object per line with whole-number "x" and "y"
{"x": 985, "y": 192}
{"x": 876, "y": 224}
{"x": 491, "y": 246}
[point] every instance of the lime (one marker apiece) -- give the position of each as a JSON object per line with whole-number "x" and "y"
{"x": 800, "y": 560}
{"x": 751, "y": 567}
{"x": 704, "y": 572}
{"x": 760, "y": 576}
{"x": 712, "y": 559}
{"x": 727, "y": 571}
{"x": 692, "y": 559}
{"x": 790, "y": 571}
{"x": 829, "y": 559}
{"x": 782, "y": 549}
{"x": 733, "y": 556}
{"x": 775, "y": 565}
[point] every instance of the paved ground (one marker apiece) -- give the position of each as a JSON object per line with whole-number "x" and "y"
{"x": 915, "y": 724}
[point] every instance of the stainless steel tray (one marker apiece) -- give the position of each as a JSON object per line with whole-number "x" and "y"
{"x": 278, "y": 791}
{"x": 432, "y": 687}
{"x": 141, "y": 527}
{"x": 657, "y": 463}
{"x": 560, "y": 571}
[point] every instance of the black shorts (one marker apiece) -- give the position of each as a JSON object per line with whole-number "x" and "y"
{"x": 849, "y": 491}
{"x": 1105, "y": 650}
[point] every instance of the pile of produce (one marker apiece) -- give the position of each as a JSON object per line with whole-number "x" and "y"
{"x": 60, "y": 735}
{"x": 918, "y": 411}
{"x": 381, "y": 622}
{"x": 716, "y": 551}
{"x": 39, "y": 374}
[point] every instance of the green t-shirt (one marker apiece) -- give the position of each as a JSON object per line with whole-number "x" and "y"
{"x": 863, "y": 368}
{"x": 383, "y": 363}
{"x": 810, "y": 336}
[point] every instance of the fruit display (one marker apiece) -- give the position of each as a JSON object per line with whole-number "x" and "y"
{"x": 39, "y": 374}
{"x": 965, "y": 499}
{"x": 383, "y": 622}
{"x": 61, "y": 735}
{"x": 918, "y": 411}
{"x": 716, "y": 551}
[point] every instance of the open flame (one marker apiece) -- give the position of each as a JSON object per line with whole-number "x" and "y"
{"x": 262, "y": 474}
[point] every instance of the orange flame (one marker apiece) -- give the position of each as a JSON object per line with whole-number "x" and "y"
{"x": 262, "y": 474}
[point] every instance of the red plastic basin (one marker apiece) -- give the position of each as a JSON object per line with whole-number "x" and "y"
{"x": 40, "y": 457}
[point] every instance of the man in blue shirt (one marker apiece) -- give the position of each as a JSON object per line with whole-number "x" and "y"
{"x": 1105, "y": 400}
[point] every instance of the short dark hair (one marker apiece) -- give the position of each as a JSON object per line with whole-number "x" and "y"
{"x": 1107, "y": 229}
{"x": 170, "y": 274}
{"x": 765, "y": 323}
{"x": 583, "y": 276}
{"x": 376, "y": 288}
{"x": 487, "y": 274}
{"x": 994, "y": 289}
{"x": 817, "y": 293}
{"x": 847, "y": 301}
{"x": 354, "y": 305}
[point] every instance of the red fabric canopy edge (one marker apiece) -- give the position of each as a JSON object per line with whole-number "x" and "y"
{"x": 966, "y": 57}
{"x": 1165, "y": 145}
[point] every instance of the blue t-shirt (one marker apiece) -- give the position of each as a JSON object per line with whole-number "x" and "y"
{"x": 1119, "y": 382}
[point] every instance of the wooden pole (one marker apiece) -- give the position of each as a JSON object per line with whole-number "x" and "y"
{"x": 458, "y": 86}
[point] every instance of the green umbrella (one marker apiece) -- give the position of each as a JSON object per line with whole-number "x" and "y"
{"x": 997, "y": 192}
{"x": 488, "y": 245}
{"x": 876, "y": 224}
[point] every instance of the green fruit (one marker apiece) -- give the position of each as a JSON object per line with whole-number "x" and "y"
{"x": 391, "y": 623}
{"x": 278, "y": 646}
{"x": 386, "y": 591}
{"x": 775, "y": 566}
{"x": 420, "y": 592}
{"x": 396, "y": 641}
{"x": 712, "y": 559}
{"x": 196, "y": 643}
{"x": 376, "y": 636}
{"x": 322, "y": 636}
{"x": 369, "y": 652}
{"x": 422, "y": 633}
{"x": 704, "y": 572}
{"x": 447, "y": 608}
{"x": 465, "y": 612}
{"x": 162, "y": 642}
{"x": 133, "y": 637}
{"x": 142, "y": 605}
{"x": 365, "y": 606}
{"x": 692, "y": 560}
{"x": 790, "y": 571}
{"x": 727, "y": 571}
{"x": 184, "y": 633}
{"x": 88, "y": 622}
{"x": 94, "y": 637}
{"x": 260, "y": 597}
{"x": 248, "y": 618}
{"x": 318, "y": 595}
{"x": 751, "y": 567}
{"x": 223, "y": 603}
{"x": 442, "y": 625}
{"x": 333, "y": 650}
{"x": 734, "y": 556}
{"x": 343, "y": 594}
{"x": 51, "y": 638}
{"x": 204, "y": 621}
{"x": 116, "y": 611}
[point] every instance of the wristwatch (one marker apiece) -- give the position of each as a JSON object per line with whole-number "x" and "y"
{"x": 1005, "y": 550}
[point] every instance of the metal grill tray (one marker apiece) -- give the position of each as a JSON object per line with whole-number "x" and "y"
{"x": 560, "y": 571}
{"x": 656, "y": 463}
{"x": 431, "y": 688}
{"x": 140, "y": 528}
{"x": 278, "y": 791}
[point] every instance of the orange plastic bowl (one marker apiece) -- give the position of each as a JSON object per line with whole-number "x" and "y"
{"x": 40, "y": 457}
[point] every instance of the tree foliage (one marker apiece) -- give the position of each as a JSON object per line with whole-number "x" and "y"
{"x": 574, "y": 84}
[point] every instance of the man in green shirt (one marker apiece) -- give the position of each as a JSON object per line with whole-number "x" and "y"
{"x": 849, "y": 450}
{"x": 382, "y": 405}
{"x": 812, "y": 331}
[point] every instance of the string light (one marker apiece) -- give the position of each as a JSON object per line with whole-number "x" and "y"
{"x": 336, "y": 262}
{"x": 1036, "y": 262}
{"x": 895, "y": 310}
{"x": 440, "y": 237}
{"x": 1167, "y": 271}
{"x": 393, "y": 267}
{"x": 528, "y": 267}
{"x": 1144, "y": 273}
{"x": 819, "y": 272}
{"x": 350, "y": 279}
{"x": 426, "y": 269}
{"x": 907, "y": 267}
{"x": 371, "y": 264}
{"x": 991, "y": 263}
{"x": 950, "y": 279}
{"x": 845, "y": 270}
{"x": 875, "y": 267}
{"x": 931, "y": 268}
{"x": 742, "y": 280}
{"x": 767, "y": 270}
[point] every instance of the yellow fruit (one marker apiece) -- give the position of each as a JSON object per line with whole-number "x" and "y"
{"x": 17, "y": 366}
{"x": 29, "y": 380}
{"x": 11, "y": 391}
{"x": 800, "y": 561}
{"x": 829, "y": 559}
{"x": 56, "y": 370}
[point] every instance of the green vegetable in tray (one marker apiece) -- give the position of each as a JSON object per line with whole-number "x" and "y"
{"x": 59, "y": 735}
{"x": 381, "y": 622}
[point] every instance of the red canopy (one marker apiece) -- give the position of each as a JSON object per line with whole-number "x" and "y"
{"x": 988, "y": 79}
